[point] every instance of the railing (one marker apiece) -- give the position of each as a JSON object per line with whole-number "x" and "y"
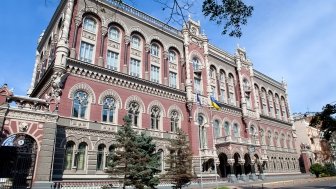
{"x": 142, "y": 16}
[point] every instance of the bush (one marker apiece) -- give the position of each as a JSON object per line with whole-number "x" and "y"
{"x": 329, "y": 169}
{"x": 316, "y": 169}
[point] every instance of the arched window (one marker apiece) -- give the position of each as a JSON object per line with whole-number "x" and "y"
{"x": 174, "y": 120}
{"x": 264, "y": 102}
{"x": 269, "y": 136}
{"x": 222, "y": 76}
{"x": 262, "y": 136}
{"x": 155, "y": 117}
{"x": 135, "y": 42}
{"x": 277, "y": 106}
{"x": 154, "y": 50}
{"x": 89, "y": 24}
{"x": 247, "y": 92}
{"x": 216, "y": 129}
{"x": 161, "y": 160}
{"x": 113, "y": 34}
{"x": 133, "y": 113}
{"x": 80, "y": 156}
{"x": 69, "y": 152}
{"x": 271, "y": 104}
{"x": 236, "y": 130}
{"x": 172, "y": 56}
{"x": 283, "y": 108}
{"x": 80, "y": 104}
{"x": 108, "y": 110}
{"x": 86, "y": 52}
{"x": 202, "y": 132}
{"x": 276, "y": 139}
{"x": 232, "y": 98}
{"x": 101, "y": 157}
{"x": 109, "y": 155}
{"x": 212, "y": 73}
{"x": 257, "y": 97}
{"x": 227, "y": 128}
{"x": 196, "y": 63}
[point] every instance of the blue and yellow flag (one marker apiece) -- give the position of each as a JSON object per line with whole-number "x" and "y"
{"x": 215, "y": 103}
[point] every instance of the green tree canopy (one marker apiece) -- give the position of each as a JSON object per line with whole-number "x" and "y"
{"x": 325, "y": 120}
{"x": 179, "y": 161}
{"x": 135, "y": 158}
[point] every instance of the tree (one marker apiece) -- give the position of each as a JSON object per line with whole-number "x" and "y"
{"x": 148, "y": 164}
{"x": 231, "y": 13}
{"x": 316, "y": 169}
{"x": 325, "y": 120}
{"x": 134, "y": 158}
{"x": 179, "y": 161}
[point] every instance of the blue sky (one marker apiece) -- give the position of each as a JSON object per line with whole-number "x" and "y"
{"x": 290, "y": 39}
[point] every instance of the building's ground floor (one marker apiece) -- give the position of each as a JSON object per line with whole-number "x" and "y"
{"x": 69, "y": 152}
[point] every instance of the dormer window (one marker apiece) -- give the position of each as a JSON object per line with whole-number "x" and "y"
{"x": 89, "y": 24}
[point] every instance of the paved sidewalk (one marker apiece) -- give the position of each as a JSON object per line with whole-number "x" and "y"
{"x": 271, "y": 182}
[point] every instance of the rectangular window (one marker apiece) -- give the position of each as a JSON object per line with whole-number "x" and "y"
{"x": 222, "y": 98}
{"x": 155, "y": 74}
{"x": 197, "y": 86}
{"x": 172, "y": 79}
{"x": 86, "y": 52}
{"x": 112, "y": 60}
{"x": 213, "y": 91}
{"x": 135, "y": 67}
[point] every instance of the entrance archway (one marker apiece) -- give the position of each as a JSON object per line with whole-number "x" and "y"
{"x": 224, "y": 167}
{"x": 247, "y": 165}
{"x": 21, "y": 163}
{"x": 236, "y": 165}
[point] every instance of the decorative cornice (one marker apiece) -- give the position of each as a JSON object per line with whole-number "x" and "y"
{"x": 268, "y": 119}
{"x": 267, "y": 79}
{"x": 94, "y": 72}
{"x": 31, "y": 115}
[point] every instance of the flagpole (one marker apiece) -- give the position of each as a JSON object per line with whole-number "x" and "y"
{"x": 214, "y": 146}
{"x": 199, "y": 138}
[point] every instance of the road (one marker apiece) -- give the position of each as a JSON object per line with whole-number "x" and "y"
{"x": 306, "y": 184}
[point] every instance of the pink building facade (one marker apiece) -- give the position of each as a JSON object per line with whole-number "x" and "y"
{"x": 99, "y": 61}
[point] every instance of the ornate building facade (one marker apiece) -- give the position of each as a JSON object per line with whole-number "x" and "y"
{"x": 100, "y": 60}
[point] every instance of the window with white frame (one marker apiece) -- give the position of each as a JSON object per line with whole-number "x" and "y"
{"x": 113, "y": 34}
{"x": 213, "y": 91}
{"x": 197, "y": 86}
{"x": 222, "y": 95}
{"x": 172, "y": 56}
{"x": 80, "y": 104}
{"x": 212, "y": 73}
{"x": 172, "y": 79}
{"x": 227, "y": 128}
{"x": 270, "y": 102}
{"x": 133, "y": 113}
{"x": 80, "y": 160}
{"x": 216, "y": 129}
{"x": 154, "y": 50}
{"x": 222, "y": 76}
{"x": 69, "y": 152}
{"x": 161, "y": 160}
{"x": 236, "y": 130}
{"x": 101, "y": 157}
{"x": 196, "y": 63}
{"x": 135, "y": 42}
{"x": 174, "y": 121}
{"x": 202, "y": 132}
{"x": 89, "y": 24}
{"x": 108, "y": 110}
{"x": 155, "y": 74}
{"x": 112, "y": 60}
{"x": 135, "y": 67}
{"x": 86, "y": 52}
{"x": 155, "y": 117}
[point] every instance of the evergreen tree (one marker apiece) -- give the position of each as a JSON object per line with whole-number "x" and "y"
{"x": 179, "y": 161}
{"x": 135, "y": 158}
{"x": 144, "y": 174}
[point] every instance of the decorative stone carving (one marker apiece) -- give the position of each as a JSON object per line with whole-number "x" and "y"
{"x": 23, "y": 127}
{"x": 57, "y": 83}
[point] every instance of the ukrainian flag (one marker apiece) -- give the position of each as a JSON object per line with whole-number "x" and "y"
{"x": 215, "y": 103}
